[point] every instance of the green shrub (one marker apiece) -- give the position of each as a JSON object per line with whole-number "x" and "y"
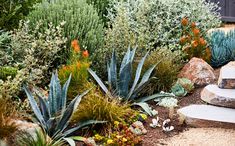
{"x": 222, "y": 47}
{"x": 165, "y": 72}
{"x": 7, "y": 71}
{"x": 12, "y": 11}
{"x": 102, "y": 7}
{"x": 5, "y": 51}
{"x": 152, "y": 23}
{"x": 35, "y": 54}
{"x": 81, "y": 21}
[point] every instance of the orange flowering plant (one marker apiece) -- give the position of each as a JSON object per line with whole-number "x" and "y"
{"x": 192, "y": 42}
{"x": 77, "y": 65}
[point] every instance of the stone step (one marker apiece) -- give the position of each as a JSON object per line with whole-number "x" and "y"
{"x": 206, "y": 115}
{"x": 227, "y": 76}
{"x": 212, "y": 94}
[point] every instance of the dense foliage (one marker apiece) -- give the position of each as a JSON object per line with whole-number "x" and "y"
{"x": 222, "y": 47}
{"x": 165, "y": 73}
{"x": 34, "y": 54}
{"x": 12, "y": 11}
{"x": 153, "y": 23}
{"x": 81, "y": 21}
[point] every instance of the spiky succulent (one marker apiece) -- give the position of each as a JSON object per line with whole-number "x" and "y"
{"x": 222, "y": 47}
{"x": 120, "y": 82}
{"x": 52, "y": 113}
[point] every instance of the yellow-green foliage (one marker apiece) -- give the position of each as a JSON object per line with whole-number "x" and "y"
{"x": 96, "y": 106}
{"x": 7, "y": 71}
{"x": 166, "y": 71}
{"x": 7, "y": 113}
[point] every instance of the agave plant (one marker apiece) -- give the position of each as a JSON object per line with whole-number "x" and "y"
{"x": 52, "y": 113}
{"x": 120, "y": 83}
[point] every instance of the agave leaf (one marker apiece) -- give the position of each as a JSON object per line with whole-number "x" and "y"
{"x": 69, "y": 111}
{"x": 81, "y": 125}
{"x": 58, "y": 92}
{"x": 132, "y": 54}
{"x": 51, "y": 127}
{"x": 44, "y": 108}
{"x": 137, "y": 75}
{"x": 113, "y": 71}
{"x": 109, "y": 74}
{"x": 70, "y": 141}
{"x": 125, "y": 58}
{"x": 125, "y": 79}
{"x": 145, "y": 107}
{"x": 51, "y": 96}
{"x": 158, "y": 95}
{"x": 79, "y": 138}
{"x": 64, "y": 94}
{"x": 98, "y": 80}
{"x": 35, "y": 107}
{"x": 146, "y": 75}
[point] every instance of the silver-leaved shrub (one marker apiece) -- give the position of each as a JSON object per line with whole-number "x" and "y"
{"x": 34, "y": 54}
{"x": 154, "y": 23}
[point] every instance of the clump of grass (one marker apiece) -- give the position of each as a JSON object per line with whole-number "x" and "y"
{"x": 165, "y": 73}
{"x": 98, "y": 107}
{"x": 40, "y": 138}
{"x": 7, "y": 113}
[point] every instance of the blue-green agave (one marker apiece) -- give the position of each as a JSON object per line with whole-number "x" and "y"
{"x": 222, "y": 47}
{"x": 53, "y": 114}
{"x": 120, "y": 82}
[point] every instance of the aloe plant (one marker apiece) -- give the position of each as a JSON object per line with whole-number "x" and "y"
{"x": 120, "y": 82}
{"x": 53, "y": 114}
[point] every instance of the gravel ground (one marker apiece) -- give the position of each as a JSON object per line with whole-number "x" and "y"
{"x": 202, "y": 137}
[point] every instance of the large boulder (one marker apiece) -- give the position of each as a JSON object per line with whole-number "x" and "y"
{"x": 227, "y": 76}
{"x": 198, "y": 71}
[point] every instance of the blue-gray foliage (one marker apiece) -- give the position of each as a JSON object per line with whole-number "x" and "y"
{"x": 222, "y": 47}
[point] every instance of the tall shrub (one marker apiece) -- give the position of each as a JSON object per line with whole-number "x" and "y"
{"x": 154, "y": 23}
{"x": 12, "y": 11}
{"x": 81, "y": 21}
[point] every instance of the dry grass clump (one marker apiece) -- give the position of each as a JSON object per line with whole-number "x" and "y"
{"x": 96, "y": 106}
{"x": 165, "y": 72}
{"x": 7, "y": 113}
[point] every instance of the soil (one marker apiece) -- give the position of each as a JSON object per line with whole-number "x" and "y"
{"x": 184, "y": 134}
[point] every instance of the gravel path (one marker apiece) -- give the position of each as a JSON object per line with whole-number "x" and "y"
{"x": 202, "y": 137}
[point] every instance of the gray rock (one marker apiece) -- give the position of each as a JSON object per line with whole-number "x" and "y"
{"x": 201, "y": 115}
{"x": 212, "y": 94}
{"x": 138, "y": 128}
{"x": 227, "y": 76}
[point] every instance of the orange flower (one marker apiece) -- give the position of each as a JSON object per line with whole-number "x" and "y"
{"x": 78, "y": 65}
{"x": 85, "y": 54}
{"x": 183, "y": 40}
{"x": 196, "y": 31}
{"x": 193, "y": 25}
{"x": 194, "y": 44}
{"x": 202, "y": 42}
{"x": 75, "y": 46}
{"x": 184, "y": 21}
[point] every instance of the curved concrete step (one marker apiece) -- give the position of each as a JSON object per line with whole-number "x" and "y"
{"x": 212, "y": 94}
{"x": 201, "y": 115}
